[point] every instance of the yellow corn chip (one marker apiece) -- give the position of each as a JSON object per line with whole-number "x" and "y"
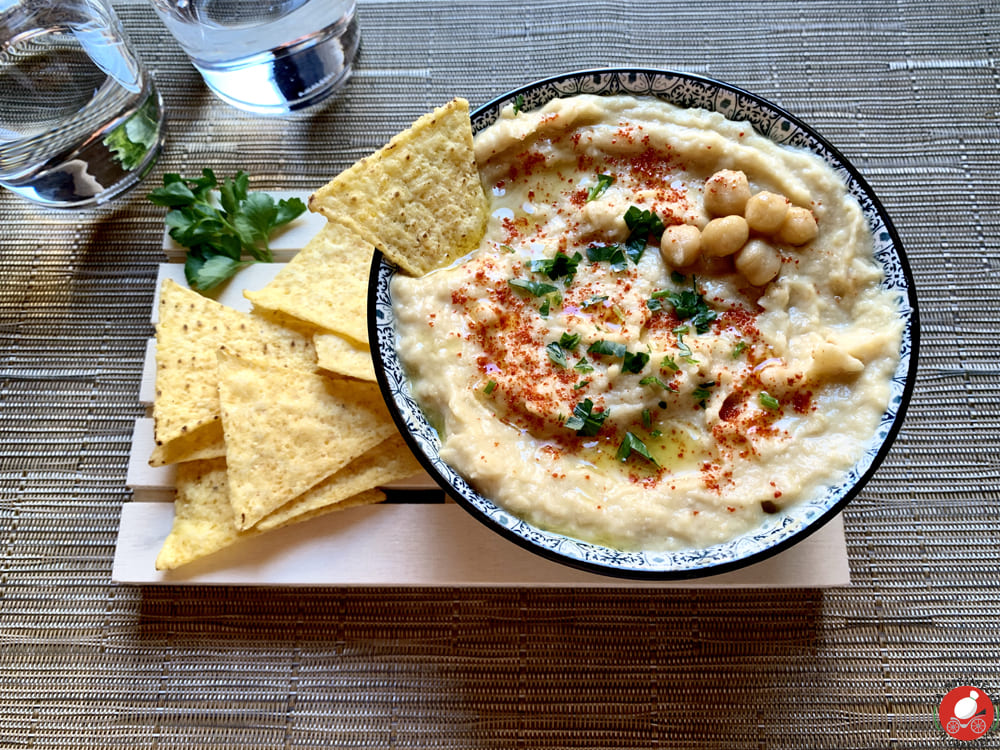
{"x": 190, "y": 331}
{"x": 386, "y": 462}
{"x": 339, "y": 355}
{"x": 326, "y": 283}
{"x": 205, "y": 442}
{"x": 203, "y": 515}
{"x": 418, "y": 199}
{"x": 288, "y": 430}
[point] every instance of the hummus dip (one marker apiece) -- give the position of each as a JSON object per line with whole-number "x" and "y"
{"x": 592, "y": 374}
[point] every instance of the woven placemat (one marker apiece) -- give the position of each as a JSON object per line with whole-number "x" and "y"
{"x": 907, "y": 90}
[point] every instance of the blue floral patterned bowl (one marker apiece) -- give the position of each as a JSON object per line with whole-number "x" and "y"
{"x": 779, "y": 530}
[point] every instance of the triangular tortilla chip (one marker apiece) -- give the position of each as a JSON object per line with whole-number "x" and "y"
{"x": 288, "y": 430}
{"x": 205, "y": 442}
{"x": 386, "y": 462}
{"x": 190, "y": 331}
{"x": 203, "y": 515}
{"x": 418, "y": 199}
{"x": 339, "y": 355}
{"x": 326, "y": 283}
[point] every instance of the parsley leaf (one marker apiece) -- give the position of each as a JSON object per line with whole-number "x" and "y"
{"x": 604, "y": 181}
{"x": 635, "y": 362}
{"x": 702, "y": 393}
{"x": 688, "y": 304}
{"x": 654, "y": 380}
{"x": 569, "y": 341}
{"x": 595, "y": 300}
{"x": 641, "y": 225}
{"x": 583, "y": 366}
{"x": 556, "y": 354}
{"x": 631, "y": 444}
{"x": 490, "y": 387}
{"x": 584, "y": 420}
{"x": 739, "y": 348}
{"x": 518, "y": 103}
{"x": 769, "y": 402}
{"x": 610, "y": 254}
{"x": 534, "y": 288}
{"x": 220, "y": 235}
{"x": 609, "y": 348}
{"x": 557, "y": 267}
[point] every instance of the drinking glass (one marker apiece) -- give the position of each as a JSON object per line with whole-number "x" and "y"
{"x": 80, "y": 119}
{"x": 273, "y": 58}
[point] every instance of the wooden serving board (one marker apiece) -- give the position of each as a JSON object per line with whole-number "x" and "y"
{"x": 393, "y": 544}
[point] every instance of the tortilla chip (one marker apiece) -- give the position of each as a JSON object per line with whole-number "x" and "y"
{"x": 386, "y": 462}
{"x": 339, "y": 355}
{"x": 204, "y": 442}
{"x": 419, "y": 199}
{"x": 326, "y": 283}
{"x": 287, "y": 431}
{"x": 203, "y": 515}
{"x": 190, "y": 330}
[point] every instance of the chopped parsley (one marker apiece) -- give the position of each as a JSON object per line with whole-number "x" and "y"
{"x": 604, "y": 181}
{"x": 688, "y": 304}
{"x": 769, "y": 402}
{"x": 641, "y": 224}
{"x": 581, "y": 384}
{"x": 631, "y": 361}
{"x": 558, "y": 267}
{"x": 569, "y": 341}
{"x": 669, "y": 363}
{"x": 686, "y": 354}
{"x": 739, "y": 348}
{"x": 534, "y": 288}
{"x": 584, "y": 420}
{"x": 647, "y": 419}
{"x": 490, "y": 387}
{"x": 595, "y": 300}
{"x": 634, "y": 362}
{"x": 583, "y": 366}
{"x": 702, "y": 393}
{"x": 612, "y": 254}
{"x": 655, "y": 380}
{"x": 556, "y": 354}
{"x": 608, "y": 348}
{"x": 631, "y": 444}
{"x": 518, "y": 103}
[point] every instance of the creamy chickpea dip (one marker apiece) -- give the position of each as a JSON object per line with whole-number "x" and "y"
{"x": 672, "y": 327}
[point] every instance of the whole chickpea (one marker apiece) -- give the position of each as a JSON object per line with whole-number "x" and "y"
{"x": 758, "y": 261}
{"x": 680, "y": 245}
{"x": 765, "y": 211}
{"x": 726, "y": 192}
{"x": 724, "y": 236}
{"x": 798, "y": 227}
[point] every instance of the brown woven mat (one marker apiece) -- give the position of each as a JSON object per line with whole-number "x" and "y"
{"x": 908, "y": 90}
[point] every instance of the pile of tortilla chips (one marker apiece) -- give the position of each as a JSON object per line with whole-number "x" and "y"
{"x": 272, "y": 416}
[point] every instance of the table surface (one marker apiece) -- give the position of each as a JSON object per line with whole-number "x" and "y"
{"x": 908, "y": 91}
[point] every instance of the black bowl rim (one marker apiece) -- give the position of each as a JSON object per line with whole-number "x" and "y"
{"x": 752, "y": 558}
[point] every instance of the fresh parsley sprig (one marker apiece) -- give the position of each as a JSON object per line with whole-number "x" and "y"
{"x": 224, "y": 235}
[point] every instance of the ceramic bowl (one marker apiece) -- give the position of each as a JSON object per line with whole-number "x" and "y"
{"x": 780, "y": 530}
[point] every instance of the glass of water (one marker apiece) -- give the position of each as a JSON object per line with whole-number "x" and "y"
{"x": 80, "y": 119}
{"x": 272, "y": 58}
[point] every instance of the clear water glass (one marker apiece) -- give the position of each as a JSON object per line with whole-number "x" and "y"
{"x": 273, "y": 58}
{"x": 80, "y": 119}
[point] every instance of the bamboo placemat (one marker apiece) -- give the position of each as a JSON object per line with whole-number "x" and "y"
{"x": 907, "y": 90}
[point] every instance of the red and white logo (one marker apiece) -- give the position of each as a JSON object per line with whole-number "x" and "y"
{"x": 966, "y": 713}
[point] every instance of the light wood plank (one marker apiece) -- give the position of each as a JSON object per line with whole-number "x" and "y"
{"x": 424, "y": 545}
